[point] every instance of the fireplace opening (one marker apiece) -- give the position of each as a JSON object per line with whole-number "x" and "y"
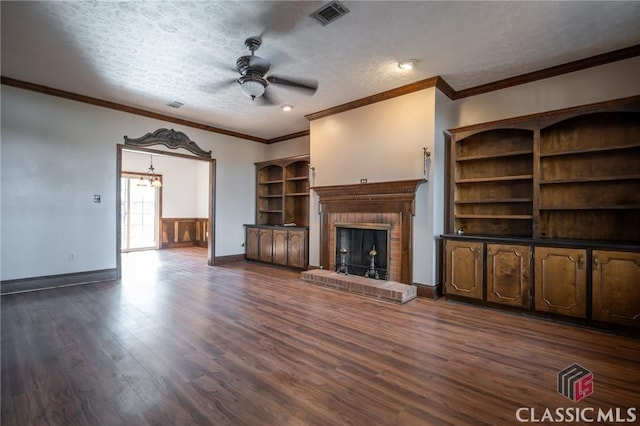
{"x": 363, "y": 249}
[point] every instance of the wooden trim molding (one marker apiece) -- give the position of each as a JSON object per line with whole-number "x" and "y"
{"x": 429, "y": 291}
{"x": 53, "y": 281}
{"x": 451, "y": 93}
{"x": 169, "y": 138}
{"x": 7, "y": 81}
{"x": 631, "y": 102}
{"x": 580, "y": 64}
{"x": 437, "y": 81}
{"x": 388, "y": 202}
{"x": 383, "y": 96}
{"x": 290, "y": 136}
{"x": 232, "y": 258}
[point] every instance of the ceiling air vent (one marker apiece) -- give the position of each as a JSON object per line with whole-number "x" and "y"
{"x": 175, "y": 104}
{"x": 330, "y": 12}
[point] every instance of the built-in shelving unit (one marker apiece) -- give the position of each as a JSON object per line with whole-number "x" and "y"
{"x": 283, "y": 191}
{"x": 570, "y": 175}
{"x": 544, "y": 214}
{"x": 493, "y": 182}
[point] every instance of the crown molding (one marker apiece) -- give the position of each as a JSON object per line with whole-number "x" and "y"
{"x": 7, "y": 81}
{"x": 289, "y": 136}
{"x": 580, "y": 64}
{"x": 382, "y": 96}
{"x": 437, "y": 81}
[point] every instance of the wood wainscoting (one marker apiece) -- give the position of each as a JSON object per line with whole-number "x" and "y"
{"x": 184, "y": 232}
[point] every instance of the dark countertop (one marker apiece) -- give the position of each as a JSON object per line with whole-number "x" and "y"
{"x": 549, "y": 242}
{"x": 276, "y": 226}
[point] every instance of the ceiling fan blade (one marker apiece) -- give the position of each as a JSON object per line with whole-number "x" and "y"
{"x": 218, "y": 85}
{"x": 267, "y": 99}
{"x": 305, "y": 84}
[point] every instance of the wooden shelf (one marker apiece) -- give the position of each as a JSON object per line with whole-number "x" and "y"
{"x": 494, "y": 156}
{"x": 298, "y": 178}
{"x": 496, "y": 201}
{"x": 590, "y": 179}
{"x": 269, "y": 182}
{"x": 270, "y": 211}
{"x": 593, "y": 207}
{"x": 590, "y": 150}
{"x": 271, "y": 196}
{"x": 297, "y": 194}
{"x": 494, "y": 216}
{"x": 496, "y": 179}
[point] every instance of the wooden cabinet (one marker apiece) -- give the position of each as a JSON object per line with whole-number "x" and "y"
{"x": 282, "y": 191}
{"x": 561, "y": 281}
{"x": 285, "y": 246}
{"x": 508, "y": 274}
{"x": 280, "y": 246}
{"x": 587, "y": 283}
{"x": 259, "y": 244}
{"x": 463, "y": 268}
{"x": 616, "y": 287}
{"x": 297, "y": 249}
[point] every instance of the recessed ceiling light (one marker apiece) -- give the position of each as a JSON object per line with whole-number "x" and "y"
{"x": 408, "y": 64}
{"x": 287, "y": 107}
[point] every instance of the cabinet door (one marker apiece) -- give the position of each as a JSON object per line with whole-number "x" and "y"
{"x": 463, "y": 268}
{"x": 561, "y": 281}
{"x": 280, "y": 239}
{"x": 616, "y": 287}
{"x": 266, "y": 249}
{"x": 508, "y": 274}
{"x": 252, "y": 242}
{"x": 297, "y": 250}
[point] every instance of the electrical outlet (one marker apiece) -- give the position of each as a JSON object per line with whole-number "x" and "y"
{"x": 71, "y": 256}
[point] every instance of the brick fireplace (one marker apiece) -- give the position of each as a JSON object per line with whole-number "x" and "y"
{"x": 388, "y": 203}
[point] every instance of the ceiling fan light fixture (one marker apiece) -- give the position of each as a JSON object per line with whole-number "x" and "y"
{"x": 287, "y": 108}
{"x": 252, "y": 88}
{"x": 409, "y": 64}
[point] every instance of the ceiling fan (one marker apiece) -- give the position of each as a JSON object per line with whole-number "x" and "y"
{"x": 252, "y": 80}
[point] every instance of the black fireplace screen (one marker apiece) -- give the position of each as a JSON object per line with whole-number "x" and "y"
{"x": 358, "y": 245}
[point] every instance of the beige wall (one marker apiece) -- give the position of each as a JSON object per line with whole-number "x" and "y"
{"x": 383, "y": 141}
{"x": 379, "y": 142}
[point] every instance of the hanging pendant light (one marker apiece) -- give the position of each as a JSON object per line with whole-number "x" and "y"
{"x": 152, "y": 179}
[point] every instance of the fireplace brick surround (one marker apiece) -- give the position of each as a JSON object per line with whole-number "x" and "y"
{"x": 382, "y": 202}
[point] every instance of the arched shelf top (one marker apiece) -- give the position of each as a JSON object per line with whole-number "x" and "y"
{"x": 169, "y": 138}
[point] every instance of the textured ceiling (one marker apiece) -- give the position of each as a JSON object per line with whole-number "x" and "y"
{"x": 147, "y": 54}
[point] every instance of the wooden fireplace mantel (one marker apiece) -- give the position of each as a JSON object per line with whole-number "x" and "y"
{"x": 400, "y": 190}
{"x": 361, "y": 201}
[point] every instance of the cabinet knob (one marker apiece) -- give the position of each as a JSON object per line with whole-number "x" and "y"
{"x": 595, "y": 263}
{"x": 580, "y": 262}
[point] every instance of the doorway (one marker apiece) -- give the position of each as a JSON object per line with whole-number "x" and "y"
{"x": 139, "y": 214}
{"x": 210, "y": 188}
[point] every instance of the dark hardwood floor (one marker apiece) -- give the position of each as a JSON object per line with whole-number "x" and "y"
{"x": 178, "y": 342}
